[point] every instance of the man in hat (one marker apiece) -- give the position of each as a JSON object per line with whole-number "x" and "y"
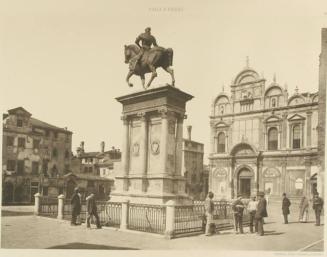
{"x": 76, "y": 206}
{"x": 91, "y": 207}
{"x": 261, "y": 213}
{"x": 147, "y": 41}
{"x": 252, "y": 208}
{"x": 209, "y": 207}
{"x": 238, "y": 208}
{"x": 286, "y": 208}
{"x": 317, "y": 205}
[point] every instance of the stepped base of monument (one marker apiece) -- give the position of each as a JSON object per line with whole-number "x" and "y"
{"x": 149, "y": 198}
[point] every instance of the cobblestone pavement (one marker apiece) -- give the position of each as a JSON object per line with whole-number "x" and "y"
{"x": 28, "y": 231}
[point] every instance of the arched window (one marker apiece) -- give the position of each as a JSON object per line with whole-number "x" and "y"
{"x": 273, "y": 102}
{"x": 296, "y": 137}
{"x": 221, "y": 142}
{"x": 273, "y": 139}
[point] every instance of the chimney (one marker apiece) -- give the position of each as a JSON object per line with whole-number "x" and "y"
{"x": 82, "y": 146}
{"x": 102, "y": 146}
{"x": 189, "y": 132}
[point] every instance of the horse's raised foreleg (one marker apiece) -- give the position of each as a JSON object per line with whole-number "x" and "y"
{"x": 130, "y": 73}
{"x": 154, "y": 74}
{"x": 171, "y": 72}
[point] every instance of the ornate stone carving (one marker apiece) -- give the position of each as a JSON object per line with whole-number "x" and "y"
{"x": 142, "y": 116}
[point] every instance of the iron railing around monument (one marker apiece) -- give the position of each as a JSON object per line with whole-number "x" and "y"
{"x": 48, "y": 206}
{"x": 189, "y": 219}
{"x": 192, "y": 219}
{"x": 109, "y": 213}
{"x": 147, "y": 218}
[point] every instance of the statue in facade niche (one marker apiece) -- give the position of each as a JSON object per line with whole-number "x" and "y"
{"x": 144, "y": 58}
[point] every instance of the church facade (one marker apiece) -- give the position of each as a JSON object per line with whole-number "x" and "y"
{"x": 263, "y": 139}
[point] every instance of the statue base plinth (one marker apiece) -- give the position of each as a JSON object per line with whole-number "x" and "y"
{"x": 152, "y": 147}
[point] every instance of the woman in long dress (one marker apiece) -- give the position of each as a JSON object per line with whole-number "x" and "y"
{"x": 304, "y": 210}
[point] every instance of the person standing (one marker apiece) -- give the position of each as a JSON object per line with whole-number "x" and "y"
{"x": 317, "y": 205}
{"x": 304, "y": 210}
{"x": 238, "y": 208}
{"x": 252, "y": 208}
{"x": 92, "y": 211}
{"x": 209, "y": 207}
{"x": 286, "y": 208}
{"x": 76, "y": 206}
{"x": 260, "y": 213}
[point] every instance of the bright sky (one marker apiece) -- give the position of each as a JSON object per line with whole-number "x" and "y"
{"x": 63, "y": 60}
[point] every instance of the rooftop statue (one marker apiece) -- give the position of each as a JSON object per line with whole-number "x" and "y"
{"x": 144, "y": 58}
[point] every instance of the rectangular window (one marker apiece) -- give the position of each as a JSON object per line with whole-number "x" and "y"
{"x": 10, "y": 141}
{"x": 90, "y": 169}
{"x": 86, "y": 169}
{"x": 20, "y": 167}
{"x": 36, "y": 143}
{"x": 35, "y": 168}
{"x": 21, "y": 142}
{"x": 11, "y": 165}
{"x": 45, "y": 191}
{"x": 19, "y": 123}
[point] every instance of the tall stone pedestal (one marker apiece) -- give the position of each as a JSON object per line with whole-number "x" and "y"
{"x": 152, "y": 147}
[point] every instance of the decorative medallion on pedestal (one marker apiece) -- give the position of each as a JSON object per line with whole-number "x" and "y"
{"x": 155, "y": 147}
{"x": 136, "y": 149}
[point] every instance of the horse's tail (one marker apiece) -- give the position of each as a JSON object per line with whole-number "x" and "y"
{"x": 170, "y": 54}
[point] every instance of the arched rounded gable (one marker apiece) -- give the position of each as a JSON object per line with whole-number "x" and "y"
{"x": 245, "y": 76}
{"x": 273, "y": 90}
{"x": 315, "y": 98}
{"x": 221, "y": 98}
{"x": 296, "y": 99}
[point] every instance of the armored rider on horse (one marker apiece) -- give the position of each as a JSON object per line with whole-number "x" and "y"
{"x": 144, "y": 59}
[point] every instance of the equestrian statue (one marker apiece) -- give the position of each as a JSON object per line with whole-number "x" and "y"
{"x": 144, "y": 58}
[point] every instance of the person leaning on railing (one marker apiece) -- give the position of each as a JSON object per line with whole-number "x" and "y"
{"x": 209, "y": 207}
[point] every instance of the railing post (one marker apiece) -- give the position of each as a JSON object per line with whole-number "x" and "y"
{"x": 124, "y": 214}
{"x": 37, "y": 197}
{"x": 61, "y": 199}
{"x": 170, "y": 219}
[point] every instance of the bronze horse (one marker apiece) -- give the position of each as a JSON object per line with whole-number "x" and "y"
{"x": 149, "y": 62}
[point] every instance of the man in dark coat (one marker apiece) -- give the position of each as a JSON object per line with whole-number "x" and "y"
{"x": 317, "y": 205}
{"x": 92, "y": 210}
{"x": 260, "y": 213}
{"x": 238, "y": 208}
{"x": 76, "y": 206}
{"x": 286, "y": 208}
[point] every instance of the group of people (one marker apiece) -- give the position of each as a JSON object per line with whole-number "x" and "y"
{"x": 257, "y": 209}
{"x": 317, "y": 205}
{"x": 91, "y": 208}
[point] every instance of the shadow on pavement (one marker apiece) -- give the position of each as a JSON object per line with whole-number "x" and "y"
{"x": 89, "y": 246}
{"x": 15, "y": 213}
{"x": 272, "y": 233}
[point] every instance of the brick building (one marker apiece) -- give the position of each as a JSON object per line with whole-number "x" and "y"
{"x": 35, "y": 157}
{"x": 192, "y": 167}
{"x": 262, "y": 138}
